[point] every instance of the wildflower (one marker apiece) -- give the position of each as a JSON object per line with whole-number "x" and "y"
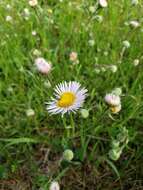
{"x": 103, "y": 69}
{"x": 69, "y": 97}
{"x": 91, "y": 42}
{"x": 42, "y": 65}
{"x": 54, "y": 186}
{"x": 47, "y": 84}
{"x": 134, "y": 24}
{"x": 33, "y": 3}
{"x": 105, "y": 53}
{"x": 99, "y": 18}
{"x": 116, "y": 109}
{"x": 8, "y": 7}
{"x": 92, "y": 9}
{"x": 115, "y": 154}
{"x": 126, "y": 44}
{"x": 134, "y": 2}
{"x": 112, "y": 99}
{"x": 84, "y": 113}
{"x": 36, "y": 52}
{"x": 34, "y": 33}
{"x": 30, "y": 112}
{"x": 68, "y": 155}
{"x": 103, "y": 3}
{"x": 73, "y": 56}
{"x": 136, "y": 62}
{"x": 113, "y": 68}
{"x": 117, "y": 91}
{"x": 8, "y": 18}
{"x": 97, "y": 70}
{"x": 26, "y": 13}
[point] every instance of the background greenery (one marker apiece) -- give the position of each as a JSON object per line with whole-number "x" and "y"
{"x": 31, "y": 147}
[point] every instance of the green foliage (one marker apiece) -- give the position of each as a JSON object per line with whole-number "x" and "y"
{"x": 32, "y": 146}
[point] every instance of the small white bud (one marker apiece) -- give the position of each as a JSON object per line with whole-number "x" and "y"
{"x": 134, "y": 24}
{"x": 134, "y": 2}
{"x": 30, "y": 112}
{"x": 103, "y": 3}
{"x": 126, "y": 44}
{"x": 113, "y": 68}
{"x": 136, "y": 62}
{"x": 84, "y": 113}
{"x": 117, "y": 91}
{"x": 68, "y": 155}
{"x": 54, "y": 186}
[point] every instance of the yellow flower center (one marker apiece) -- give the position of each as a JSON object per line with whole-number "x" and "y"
{"x": 67, "y": 99}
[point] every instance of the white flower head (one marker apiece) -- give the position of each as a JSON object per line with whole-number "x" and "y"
{"x": 134, "y": 2}
{"x": 126, "y": 44}
{"x": 68, "y": 155}
{"x": 116, "y": 109}
{"x": 26, "y": 13}
{"x": 112, "y": 99}
{"x": 113, "y": 68}
{"x": 42, "y": 65}
{"x": 33, "y": 3}
{"x": 30, "y": 112}
{"x": 36, "y": 52}
{"x": 92, "y": 9}
{"x": 34, "y": 33}
{"x": 69, "y": 97}
{"x": 54, "y": 186}
{"x": 91, "y": 42}
{"x": 8, "y": 6}
{"x": 134, "y": 24}
{"x": 103, "y": 3}
{"x": 73, "y": 56}
{"x": 136, "y": 62}
{"x": 8, "y": 18}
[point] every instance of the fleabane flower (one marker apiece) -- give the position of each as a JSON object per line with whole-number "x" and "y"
{"x": 54, "y": 186}
{"x": 103, "y": 3}
{"x": 112, "y": 99}
{"x": 42, "y": 65}
{"x": 33, "y": 3}
{"x": 134, "y": 24}
{"x": 69, "y": 97}
{"x": 73, "y": 56}
{"x": 116, "y": 109}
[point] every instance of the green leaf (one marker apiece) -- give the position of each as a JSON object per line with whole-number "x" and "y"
{"x": 12, "y": 141}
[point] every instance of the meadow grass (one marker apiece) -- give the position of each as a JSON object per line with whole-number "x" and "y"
{"x": 31, "y": 147}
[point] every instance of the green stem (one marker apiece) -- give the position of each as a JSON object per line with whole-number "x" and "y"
{"x": 65, "y": 126}
{"x": 72, "y": 124}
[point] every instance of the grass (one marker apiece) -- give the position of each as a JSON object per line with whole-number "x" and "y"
{"x": 32, "y": 147}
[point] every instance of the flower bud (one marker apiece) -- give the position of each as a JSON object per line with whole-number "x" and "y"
{"x": 84, "y": 113}
{"x": 112, "y": 100}
{"x": 116, "y": 109}
{"x": 68, "y": 155}
{"x": 54, "y": 186}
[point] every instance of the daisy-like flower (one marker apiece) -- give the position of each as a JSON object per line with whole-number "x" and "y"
{"x": 33, "y": 3}
{"x": 116, "y": 109}
{"x": 42, "y": 65}
{"x": 69, "y": 97}
{"x": 103, "y": 3}
{"x": 112, "y": 99}
{"x": 54, "y": 186}
{"x": 134, "y": 24}
{"x": 73, "y": 56}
